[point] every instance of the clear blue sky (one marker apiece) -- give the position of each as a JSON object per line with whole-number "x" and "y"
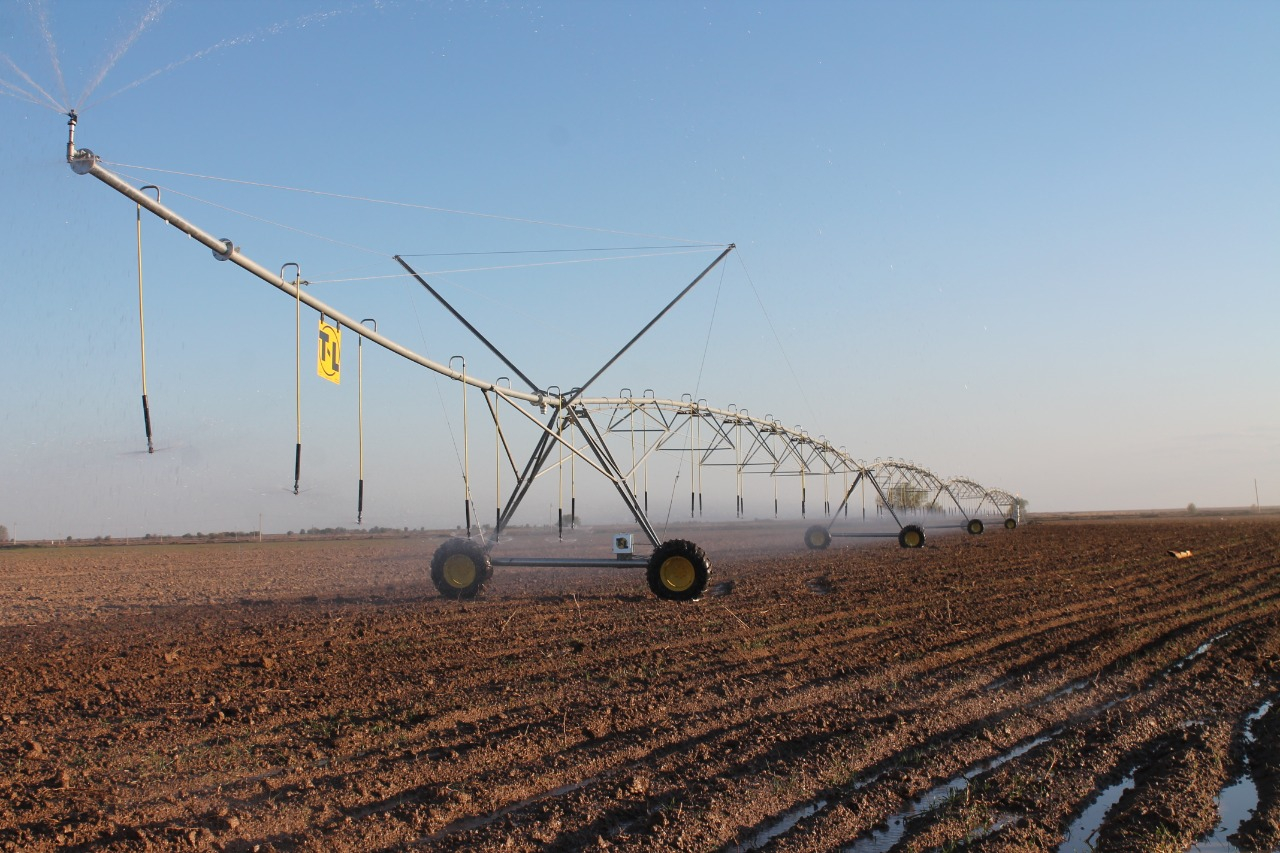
{"x": 1035, "y": 244}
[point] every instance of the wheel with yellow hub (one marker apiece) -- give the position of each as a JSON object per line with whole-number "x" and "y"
{"x": 678, "y": 571}
{"x": 817, "y": 537}
{"x": 460, "y": 568}
{"x": 974, "y": 526}
{"x": 911, "y": 536}
{"x": 1010, "y": 523}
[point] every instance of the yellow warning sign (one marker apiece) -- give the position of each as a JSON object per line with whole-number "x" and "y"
{"x": 330, "y": 350}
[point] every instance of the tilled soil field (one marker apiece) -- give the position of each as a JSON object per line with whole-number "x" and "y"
{"x": 984, "y": 692}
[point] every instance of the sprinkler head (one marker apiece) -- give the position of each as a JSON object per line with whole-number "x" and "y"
{"x": 81, "y": 161}
{"x": 71, "y": 135}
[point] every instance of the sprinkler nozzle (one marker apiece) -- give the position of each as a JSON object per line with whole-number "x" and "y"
{"x": 72, "y": 118}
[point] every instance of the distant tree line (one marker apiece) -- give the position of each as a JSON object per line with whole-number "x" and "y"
{"x": 337, "y": 531}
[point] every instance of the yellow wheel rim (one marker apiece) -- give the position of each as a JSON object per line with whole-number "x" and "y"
{"x": 677, "y": 574}
{"x": 912, "y": 539}
{"x": 815, "y": 538}
{"x": 459, "y": 571}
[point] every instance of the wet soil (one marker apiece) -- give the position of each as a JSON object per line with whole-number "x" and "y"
{"x": 321, "y": 696}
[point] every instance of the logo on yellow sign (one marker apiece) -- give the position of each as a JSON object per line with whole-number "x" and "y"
{"x": 327, "y": 365}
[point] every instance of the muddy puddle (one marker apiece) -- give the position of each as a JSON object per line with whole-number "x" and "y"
{"x": 1082, "y": 830}
{"x": 1081, "y": 834}
{"x": 1236, "y": 802}
{"x": 1238, "y": 799}
{"x": 778, "y": 827}
{"x": 881, "y": 841}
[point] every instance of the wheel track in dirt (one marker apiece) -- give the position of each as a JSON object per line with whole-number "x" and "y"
{"x": 1100, "y": 714}
{"x": 1014, "y": 709}
{"x": 1161, "y": 718}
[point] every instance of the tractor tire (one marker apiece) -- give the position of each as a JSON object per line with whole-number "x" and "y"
{"x": 911, "y": 536}
{"x": 817, "y": 537}
{"x": 975, "y": 527}
{"x": 460, "y": 568}
{"x": 678, "y": 571}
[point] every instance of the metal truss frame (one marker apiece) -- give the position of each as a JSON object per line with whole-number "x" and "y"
{"x": 724, "y": 437}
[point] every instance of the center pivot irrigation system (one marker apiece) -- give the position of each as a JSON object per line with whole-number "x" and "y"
{"x": 594, "y": 430}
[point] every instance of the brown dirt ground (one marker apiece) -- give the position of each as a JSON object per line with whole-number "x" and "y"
{"x": 321, "y": 696}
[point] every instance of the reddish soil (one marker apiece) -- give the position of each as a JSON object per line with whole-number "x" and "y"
{"x": 321, "y": 696}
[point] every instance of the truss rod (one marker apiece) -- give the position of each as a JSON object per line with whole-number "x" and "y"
{"x": 526, "y": 477}
{"x": 502, "y": 436}
{"x": 578, "y": 391}
{"x": 463, "y": 320}
{"x": 596, "y": 442}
